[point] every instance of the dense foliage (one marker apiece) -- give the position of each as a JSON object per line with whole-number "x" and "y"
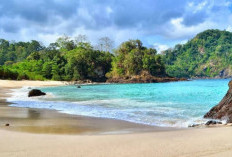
{"x": 132, "y": 58}
{"x": 68, "y": 59}
{"x": 15, "y": 52}
{"x": 63, "y": 60}
{"x": 209, "y": 54}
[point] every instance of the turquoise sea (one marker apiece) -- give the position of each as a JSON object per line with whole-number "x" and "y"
{"x": 173, "y": 104}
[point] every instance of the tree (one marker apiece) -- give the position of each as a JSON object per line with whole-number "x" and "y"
{"x": 81, "y": 39}
{"x": 132, "y": 58}
{"x": 34, "y": 56}
{"x": 47, "y": 70}
{"x": 65, "y": 42}
{"x": 206, "y": 55}
{"x": 105, "y": 44}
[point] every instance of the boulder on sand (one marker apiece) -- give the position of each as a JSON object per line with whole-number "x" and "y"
{"x": 35, "y": 92}
{"x": 212, "y": 122}
{"x": 223, "y": 110}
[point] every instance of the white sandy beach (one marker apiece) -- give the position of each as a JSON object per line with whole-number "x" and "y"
{"x": 210, "y": 142}
{"x": 18, "y": 84}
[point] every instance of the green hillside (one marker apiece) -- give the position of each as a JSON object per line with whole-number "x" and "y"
{"x": 71, "y": 60}
{"x": 65, "y": 59}
{"x": 209, "y": 54}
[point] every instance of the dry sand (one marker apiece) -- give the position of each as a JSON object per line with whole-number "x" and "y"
{"x": 210, "y": 142}
{"x": 18, "y": 84}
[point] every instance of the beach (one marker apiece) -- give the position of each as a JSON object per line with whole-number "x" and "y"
{"x": 36, "y": 120}
{"x": 39, "y": 132}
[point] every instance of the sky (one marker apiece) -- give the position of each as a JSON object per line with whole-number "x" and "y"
{"x": 157, "y": 23}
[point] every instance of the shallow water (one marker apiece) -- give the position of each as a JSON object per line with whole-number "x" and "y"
{"x": 174, "y": 104}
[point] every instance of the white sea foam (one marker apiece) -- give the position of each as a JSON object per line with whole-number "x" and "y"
{"x": 157, "y": 113}
{"x": 22, "y": 95}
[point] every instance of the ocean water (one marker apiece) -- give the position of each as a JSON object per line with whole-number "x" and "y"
{"x": 173, "y": 104}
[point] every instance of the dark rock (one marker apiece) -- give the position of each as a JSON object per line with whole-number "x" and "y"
{"x": 193, "y": 125}
{"x": 144, "y": 77}
{"x": 222, "y": 73}
{"x": 7, "y": 124}
{"x": 35, "y": 92}
{"x": 223, "y": 110}
{"x": 78, "y": 86}
{"x": 212, "y": 122}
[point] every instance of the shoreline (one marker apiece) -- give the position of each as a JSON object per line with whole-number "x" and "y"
{"x": 194, "y": 142}
{"x": 44, "y": 121}
{"x": 49, "y": 121}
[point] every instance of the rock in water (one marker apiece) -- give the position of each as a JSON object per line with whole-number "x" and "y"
{"x": 212, "y": 122}
{"x": 223, "y": 110}
{"x": 35, "y": 92}
{"x": 193, "y": 125}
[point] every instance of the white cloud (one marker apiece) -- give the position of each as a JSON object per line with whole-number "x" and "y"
{"x": 177, "y": 30}
{"x": 48, "y": 38}
{"x": 160, "y": 47}
{"x": 109, "y": 10}
{"x": 229, "y": 28}
{"x": 196, "y": 7}
{"x": 183, "y": 42}
{"x": 200, "y": 6}
{"x": 119, "y": 20}
{"x": 115, "y": 34}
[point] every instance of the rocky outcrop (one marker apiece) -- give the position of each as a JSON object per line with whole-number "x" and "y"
{"x": 223, "y": 110}
{"x": 225, "y": 73}
{"x": 143, "y": 78}
{"x": 212, "y": 122}
{"x": 35, "y": 92}
{"x": 208, "y": 123}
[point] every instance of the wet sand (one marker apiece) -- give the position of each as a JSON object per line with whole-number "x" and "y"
{"x": 36, "y": 133}
{"x": 53, "y": 122}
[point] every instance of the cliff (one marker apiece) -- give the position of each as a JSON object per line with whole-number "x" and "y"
{"x": 223, "y": 110}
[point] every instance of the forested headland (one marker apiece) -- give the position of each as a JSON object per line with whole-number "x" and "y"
{"x": 135, "y": 63}
{"x": 208, "y": 54}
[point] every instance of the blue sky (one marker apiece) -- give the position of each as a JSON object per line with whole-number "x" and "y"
{"x": 158, "y": 23}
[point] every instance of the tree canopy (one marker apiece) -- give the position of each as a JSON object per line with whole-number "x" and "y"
{"x": 132, "y": 58}
{"x": 65, "y": 59}
{"x": 68, "y": 59}
{"x": 209, "y": 54}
